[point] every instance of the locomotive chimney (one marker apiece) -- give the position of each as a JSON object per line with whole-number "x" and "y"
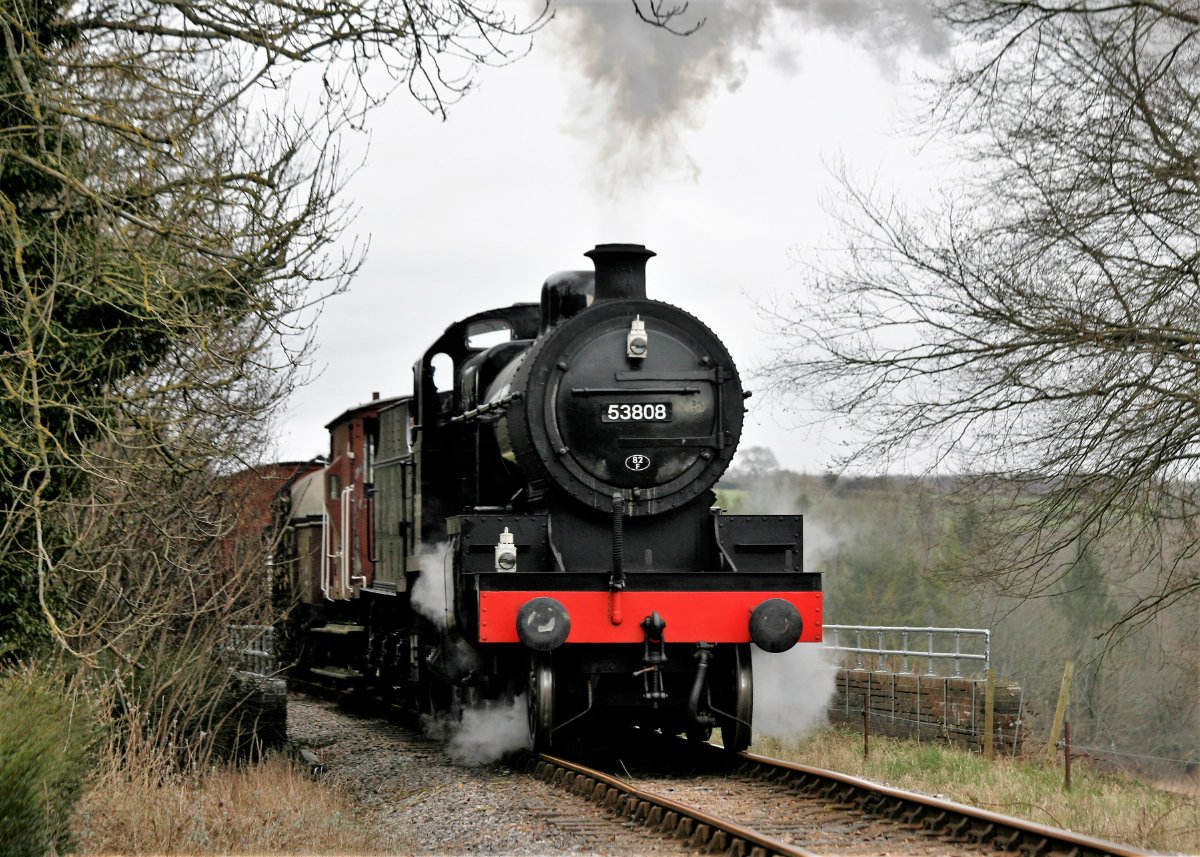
{"x": 620, "y": 270}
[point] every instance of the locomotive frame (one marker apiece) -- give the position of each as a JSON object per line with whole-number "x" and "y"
{"x": 545, "y": 524}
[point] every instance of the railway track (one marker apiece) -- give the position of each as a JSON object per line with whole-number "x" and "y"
{"x": 745, "y": 805}
{"x": 750, "y": 806}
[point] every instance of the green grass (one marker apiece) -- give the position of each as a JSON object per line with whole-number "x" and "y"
{"x": 1156, "y": 815}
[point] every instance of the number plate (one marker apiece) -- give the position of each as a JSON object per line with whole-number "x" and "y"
{"x": 636, "y": 412}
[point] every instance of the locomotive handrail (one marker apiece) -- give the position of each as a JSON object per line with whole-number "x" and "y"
{"x": 609, "y": 391}
{"x": 676, "y": 375}
{"x": 406, "y": 460}
{"x": 486, "y": 407}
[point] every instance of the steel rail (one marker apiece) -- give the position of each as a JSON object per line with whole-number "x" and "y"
{"x": 1036, "y": 838}
{"x": 705, "y": 831}
{"x": 701, "y": 829}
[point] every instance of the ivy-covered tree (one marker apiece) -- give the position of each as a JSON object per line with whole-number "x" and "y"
{"x": 168, "y": 212}
{"x": 35, "y": 229}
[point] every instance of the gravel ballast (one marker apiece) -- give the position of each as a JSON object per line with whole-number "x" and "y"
{"x": 428, "y": 803}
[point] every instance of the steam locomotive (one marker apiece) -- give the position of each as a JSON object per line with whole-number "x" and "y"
{"x": 538, "y": 518}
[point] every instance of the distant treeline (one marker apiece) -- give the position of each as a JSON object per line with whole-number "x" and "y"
{"x": 898, "y": 550}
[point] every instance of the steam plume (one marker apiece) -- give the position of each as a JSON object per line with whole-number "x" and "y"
{"x": 649, "y": 86}
{"x": 791, "y": 690}
{"x": 431, "y": 590}
{"x": 488, "y": 733}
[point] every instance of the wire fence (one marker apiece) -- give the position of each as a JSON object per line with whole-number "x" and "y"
{"x": 1127, "y": 761}
{"x": 880, "y": 654}
{"x": 1007, "y": 740}
{"x": 881, "y": 713}
{"x": 922, "y": 706}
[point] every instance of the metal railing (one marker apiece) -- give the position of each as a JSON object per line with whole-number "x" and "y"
{"x": 251, "y": 649}
{"x": 901, "y": 642}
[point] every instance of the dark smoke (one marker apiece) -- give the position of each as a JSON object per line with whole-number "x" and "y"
{"x": 649, "y": 86}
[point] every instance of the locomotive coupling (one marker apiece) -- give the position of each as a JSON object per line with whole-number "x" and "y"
{"x": 654, "y": 655}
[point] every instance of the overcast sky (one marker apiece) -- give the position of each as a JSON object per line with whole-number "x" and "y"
{"x": 712, "y": 150}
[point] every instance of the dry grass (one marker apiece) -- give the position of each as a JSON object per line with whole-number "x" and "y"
{"x": 268, "y": 808}
{"x": 1117, "y": 808}
{"x": 138, "y": 806}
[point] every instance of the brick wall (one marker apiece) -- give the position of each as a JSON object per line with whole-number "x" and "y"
{"x": 928, "y": 707}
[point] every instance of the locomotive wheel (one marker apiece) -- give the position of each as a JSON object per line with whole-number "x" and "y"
{"x": 539, "y": 696}
{"x": 736, "y": 734}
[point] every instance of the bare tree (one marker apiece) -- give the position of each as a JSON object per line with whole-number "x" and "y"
{"x": 170, "y": 222}
{"x": 1038, "y": 328}
{"x": 169, "y": 219}
{"x": 169, "y": 214}
{"x": 755, "y": 462}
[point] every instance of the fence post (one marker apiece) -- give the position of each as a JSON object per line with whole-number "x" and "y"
{"x": 989, "y": 716}
{"x": 1067, "y": 755}
{"x": 1060, "y": 711}
{"x": 918, "y": 709}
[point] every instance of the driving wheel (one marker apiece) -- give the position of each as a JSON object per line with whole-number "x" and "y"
{"x": 539, "y": 696}
{"x": 735, "y": 733}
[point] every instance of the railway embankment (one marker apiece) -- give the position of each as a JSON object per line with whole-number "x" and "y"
{"x": 382, "y": 788}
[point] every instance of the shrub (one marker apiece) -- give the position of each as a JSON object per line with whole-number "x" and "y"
{"x": 46, "y": 739}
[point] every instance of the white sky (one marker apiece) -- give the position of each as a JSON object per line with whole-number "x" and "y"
{"x": 476, "y": 211}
